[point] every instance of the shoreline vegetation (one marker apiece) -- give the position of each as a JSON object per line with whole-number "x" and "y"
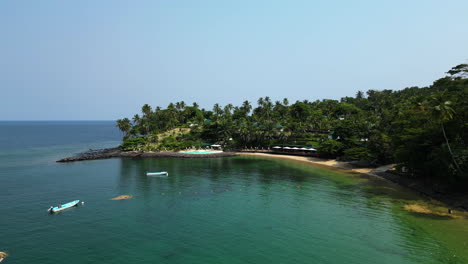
{"x": 423, "y": 131}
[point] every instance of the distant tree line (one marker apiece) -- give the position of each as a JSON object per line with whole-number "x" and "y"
{"x": 424, "y": 130}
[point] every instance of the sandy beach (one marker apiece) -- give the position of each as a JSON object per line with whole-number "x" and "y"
{"x": 325, "y": 162}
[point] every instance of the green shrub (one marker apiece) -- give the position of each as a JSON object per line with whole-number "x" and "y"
{"x": 358, "y": 153}
{"x": 133, "y": 143}
{"x": 331, "y": 147}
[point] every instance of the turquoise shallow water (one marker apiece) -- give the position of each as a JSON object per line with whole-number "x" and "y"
{"x": 229, "y": 210}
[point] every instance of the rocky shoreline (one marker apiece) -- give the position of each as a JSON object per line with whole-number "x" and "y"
{"x": 440, "y": 192}
{"x": 117, "y": 153}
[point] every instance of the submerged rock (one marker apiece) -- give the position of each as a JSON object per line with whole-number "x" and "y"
{"x": 122, "y": 197}
{"x": 422, "y": 209}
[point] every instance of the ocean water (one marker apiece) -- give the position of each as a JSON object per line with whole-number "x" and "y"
{"x": 225, "y": 210}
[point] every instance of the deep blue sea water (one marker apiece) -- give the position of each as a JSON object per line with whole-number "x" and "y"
{"x": 226, "y": 210}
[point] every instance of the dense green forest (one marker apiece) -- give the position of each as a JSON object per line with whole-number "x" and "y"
{"x": 424, "y": 130}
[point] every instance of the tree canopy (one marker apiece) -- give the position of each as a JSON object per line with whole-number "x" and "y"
{"x": 424, "y": 129}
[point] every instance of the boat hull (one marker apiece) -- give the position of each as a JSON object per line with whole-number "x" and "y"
{"x": 64, "y": 206}
{"x": 162, "y": 173}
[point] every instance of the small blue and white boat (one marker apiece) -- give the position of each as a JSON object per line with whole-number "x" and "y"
{"x": 161, "y": 173}
{"x": 62, "y": 207}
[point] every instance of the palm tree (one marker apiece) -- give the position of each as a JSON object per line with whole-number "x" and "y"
{"x": 268, "y": 107}
{"x": 264, "y": 109}
{"x": 217, "y": 110}
{"x": 459, "y": 71}
{"x": 172, "y": 117}
{"x": 260, "y": 101}
{"x": 359, "y": 95}
{"x": 246, "y": 108}
{"x": 124, "y": 125}
{"x": 146, "y": 110}
{"x": 441, "y": 111}
{"x": 227, "y": 109}
{"x": 136, "y": 119}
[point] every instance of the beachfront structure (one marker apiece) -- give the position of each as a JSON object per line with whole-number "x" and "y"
{"x": 294, "y": 150}
{"x": 215, "y": 146}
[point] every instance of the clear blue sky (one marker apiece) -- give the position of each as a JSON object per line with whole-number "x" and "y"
{"x": 89, "y": 59}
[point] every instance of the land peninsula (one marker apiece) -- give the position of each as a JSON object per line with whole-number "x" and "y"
{"x": 422, "y": 130}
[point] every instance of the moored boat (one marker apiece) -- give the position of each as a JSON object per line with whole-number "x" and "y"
{"x": 3, "y": 256}
{"x": 62, "y": 207}
{"x": 161, "y": 173}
